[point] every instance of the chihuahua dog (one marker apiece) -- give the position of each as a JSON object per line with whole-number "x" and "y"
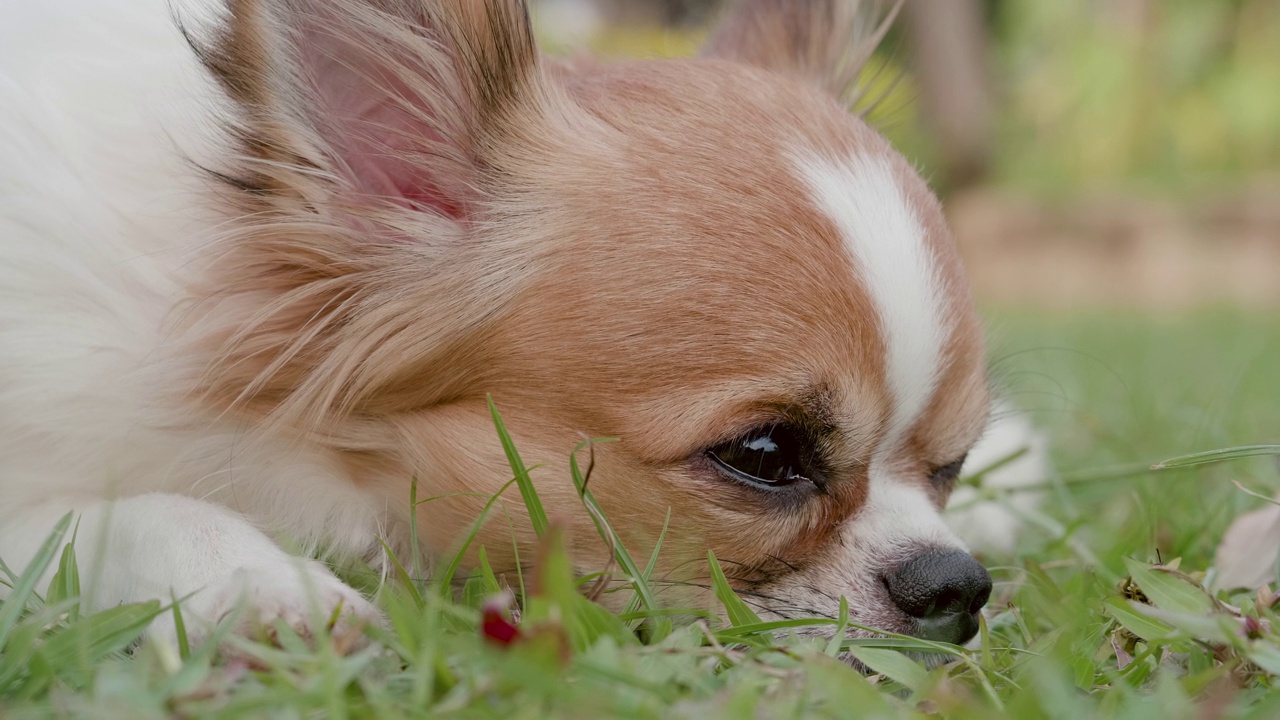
{"x": 263, "y": 261}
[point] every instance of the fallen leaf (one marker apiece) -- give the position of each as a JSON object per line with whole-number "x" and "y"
{"x": 1121, "y": 646}
{"x": 1247, "y": 556}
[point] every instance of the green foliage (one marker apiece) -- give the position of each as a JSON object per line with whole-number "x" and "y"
{"x": 1215, "y": 456}
{"x": 537, "y": 515}
{"x": 1103, "y": 93}
{"x": 738, "y": 612}
{"x": 1101, "y": 613}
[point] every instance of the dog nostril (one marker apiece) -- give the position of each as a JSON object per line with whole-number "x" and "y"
{"x": 979, "y": 600}
{"x": 950, "y": 600}
{"x": 943, "y": 589}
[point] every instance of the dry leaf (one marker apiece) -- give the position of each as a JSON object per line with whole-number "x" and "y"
{"x": 1247, "y": 556}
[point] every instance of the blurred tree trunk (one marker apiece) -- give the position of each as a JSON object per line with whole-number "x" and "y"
{"x": 949, "y": 54}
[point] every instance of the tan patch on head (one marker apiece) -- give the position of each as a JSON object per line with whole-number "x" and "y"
{"x": 620, "y": 251}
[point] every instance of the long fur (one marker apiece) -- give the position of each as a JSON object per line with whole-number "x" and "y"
{"x": 261, "y": 261}
{"x": 828, "y": 42}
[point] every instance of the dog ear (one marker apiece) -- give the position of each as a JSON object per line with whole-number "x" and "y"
{"x": 827, "y": 42}
{"x": 394, "y": 100}
{"x": 368, "y": 133}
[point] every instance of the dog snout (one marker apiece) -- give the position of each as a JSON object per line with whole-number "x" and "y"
{"x": 943, "y": 590}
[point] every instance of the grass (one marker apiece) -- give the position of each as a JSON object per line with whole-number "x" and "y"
{"x": 1100, "y": 614}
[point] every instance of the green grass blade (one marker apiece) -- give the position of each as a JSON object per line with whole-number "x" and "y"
{"x": 415, "y": 547}
{"x": 65, "y": 584}
{"x": 661, "y": 627}
{"x": 666, "y": 612}
{"x": 1216, "y": 456}
{"x": 180, "y": 627}
{"x": 9, "y": 578}
{"x": 1140, "y": 624}
{"x": 1169, "y": 590}
{"x": 1255, "y": 493}
{"x": 100, "y": 633}
{"x": 411, "y": 586}
{"x": 975, "y": 478}
{"x": 903, "y": 643}
{"x": 23, "y": 643}
{"x": 892, "y": 664}
{"x": 491, "y": 585}
{"x": 446, "y": 579}
{"x": 984, "y": 640}
{"x": 738, "y": 612}
{"x": 637, "y": 578}
{"x": 25, "y": 585}
{"x": 634, "y": 604}
{"x": 1266, "y": 657}
{"x": 537, "y": 515}
{"x": 842, "y": 625}
{"x": 1214, "y": 628}
{"x": 768, "y": 627}
{"x": 556, "y": 599}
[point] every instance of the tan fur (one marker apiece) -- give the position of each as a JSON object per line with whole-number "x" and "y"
{"x": 826, "y": 42}
{"x": 634, "y": 260}
{"x": 321, "y": 267}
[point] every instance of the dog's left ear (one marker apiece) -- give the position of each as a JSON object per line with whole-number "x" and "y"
{"x": 369, "y": 138}
{"x": 826, "y": 42}
{"x": 399, "y": 100}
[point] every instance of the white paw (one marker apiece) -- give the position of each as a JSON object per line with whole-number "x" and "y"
{"x": 302, "y": 594}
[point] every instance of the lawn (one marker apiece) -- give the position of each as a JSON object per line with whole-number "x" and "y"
{"x": 1081, "y": 625}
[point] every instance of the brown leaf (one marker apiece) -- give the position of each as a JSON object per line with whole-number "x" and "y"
{"x": 1121, "y": 646}
{"x": 1247, "y": 556}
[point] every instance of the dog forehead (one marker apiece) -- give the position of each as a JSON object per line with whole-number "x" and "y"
{"x": 751, "y": 228}
{"x": 883, "y": 233}
{"x": 687, "y": 184}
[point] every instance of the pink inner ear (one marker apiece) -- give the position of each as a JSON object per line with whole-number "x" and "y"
{"x": 380, "y": 169}
{"x": 433, "y": 197}
{"x": 391, "y": 151}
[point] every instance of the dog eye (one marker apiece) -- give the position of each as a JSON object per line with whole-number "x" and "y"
{"x": 771, "y": 457}
{"x": 945, "y": 477}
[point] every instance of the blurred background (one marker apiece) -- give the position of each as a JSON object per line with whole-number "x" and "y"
{"x": 1105, "y": 153}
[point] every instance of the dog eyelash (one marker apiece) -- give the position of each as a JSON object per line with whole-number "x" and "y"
{"x": 944, "y": 477}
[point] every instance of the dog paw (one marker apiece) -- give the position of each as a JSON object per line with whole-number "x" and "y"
{"x": 304, "y": 595}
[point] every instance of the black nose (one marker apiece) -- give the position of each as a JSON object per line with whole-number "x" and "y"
{"x": 943, "y": 589}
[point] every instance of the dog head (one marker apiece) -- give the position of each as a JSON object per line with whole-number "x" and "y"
{"x": 711, "y": 260}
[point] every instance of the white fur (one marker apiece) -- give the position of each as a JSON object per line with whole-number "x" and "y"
{"x": 887, "y": 243}
{"x": 898, "y": 515}
{"x": 886, "y": 240}
{"x": 994, "y": 525}
{"x": 165, "y": 546}
{"x": 897, "y": 522}
{"x": 102, "y": 221}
